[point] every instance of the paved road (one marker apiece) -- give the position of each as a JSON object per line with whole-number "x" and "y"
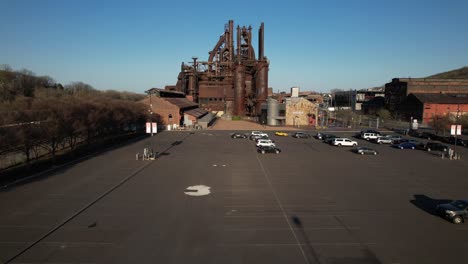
{"x": 313, "y": 203}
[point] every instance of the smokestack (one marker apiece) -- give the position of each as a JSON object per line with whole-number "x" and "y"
{"x": 231, "y": 39}
{"x": 238, "y": 44}
{"x": 260, "y": 42}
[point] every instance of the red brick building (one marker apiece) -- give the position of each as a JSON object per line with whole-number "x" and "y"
{"x": 396, "y": 92}
{"x": 173, "y": 108}
{"x": 424, "y": 106}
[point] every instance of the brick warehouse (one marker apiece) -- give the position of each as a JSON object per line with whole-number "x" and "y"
{"x": 173, "y": 108}
{"x": 425, "y": 106}
{"x": 398, "y": 89}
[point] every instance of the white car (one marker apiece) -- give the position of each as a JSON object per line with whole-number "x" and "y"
{"x": 265, "y": 142}
{"x": 369, "y": 136}
{"x": 257, "y": 134}
{"x": 344, "y": 142}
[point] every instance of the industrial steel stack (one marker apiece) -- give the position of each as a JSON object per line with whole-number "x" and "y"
{"x": 232, "y": 80}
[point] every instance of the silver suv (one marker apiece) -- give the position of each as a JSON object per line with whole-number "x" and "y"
{"x": 384, "y": 140}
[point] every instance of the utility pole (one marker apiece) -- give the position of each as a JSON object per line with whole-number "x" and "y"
{"x": 151, "y": 115}
{"x": 456, "y": 129}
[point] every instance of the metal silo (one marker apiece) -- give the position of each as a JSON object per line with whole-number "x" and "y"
{"x": 273, "y": 112}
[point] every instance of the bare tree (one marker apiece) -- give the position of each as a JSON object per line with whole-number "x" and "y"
{"x": 440, "y": 123}
{"x": 80, "y": 89}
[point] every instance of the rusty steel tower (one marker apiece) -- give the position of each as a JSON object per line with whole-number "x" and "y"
{"x": 233, "y": 79}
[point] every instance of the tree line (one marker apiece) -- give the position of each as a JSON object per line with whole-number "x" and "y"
{"x": 41, "y": 117}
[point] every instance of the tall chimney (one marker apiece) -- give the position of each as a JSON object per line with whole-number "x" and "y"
{"x": 260, "y": 42}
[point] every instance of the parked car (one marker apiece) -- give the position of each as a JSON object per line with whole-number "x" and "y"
{"x": 395, "y": 138}
{"x": 329, "y": 139}
{"x": 405, "y": 140}
{"x": 325, "y": 136}
{"x": 430, "y": 136}
{"x": 455, "y": 211}
{"x": 416, "y": 133}
{"x": 365, "y": 150}
{"x": 281, "y": 133}
{"x": 459, "y": 141}
{"x": 238, "y": 135}
{"x": 265, "y": 142}
{"x": 318, "y": 135}
{"x": 384, "y": 140}
{"x": 370, "y": 131}
{"x": 369, "y": 136}
{"x": 435, "y": 146}
{"x": 263, "y": 138}
{"x": 268, "y": 149}
{"x": 405, "y": 145}
{"x": 257, "y": 134}
{"x": 257, "y": 137}
{"x": 401, "y": 131}
{"x": 301, "y": 135}
{"x": 344, "y": 142}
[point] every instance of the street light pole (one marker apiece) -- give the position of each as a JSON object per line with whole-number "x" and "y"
{"x": 151, "y": 114}
{"x": 456, "y": 129}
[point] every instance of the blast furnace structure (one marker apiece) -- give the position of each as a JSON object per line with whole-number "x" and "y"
{"x": 233, "y": 80}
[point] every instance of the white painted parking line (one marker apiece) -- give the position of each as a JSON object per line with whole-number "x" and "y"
{"x": 285, "y": 215}
{"x": 339, "y": 244}
{"x": 283, "y": 229}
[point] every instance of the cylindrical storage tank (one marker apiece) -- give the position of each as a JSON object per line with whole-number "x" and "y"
{"x": 261, "y": 85}
{"x": 273, "y": 112}
{"x": 239, "y": 90}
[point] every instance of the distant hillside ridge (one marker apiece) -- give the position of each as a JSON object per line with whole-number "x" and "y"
{"x": 461, "y": 73}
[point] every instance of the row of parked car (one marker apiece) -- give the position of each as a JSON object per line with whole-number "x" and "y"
{"x": 262, "y": 141}
{"x": 337, "y": 141}
{"x": 266, "y": 145}
{"x": 432, "y": 136}
{"x": 396, "y": 141}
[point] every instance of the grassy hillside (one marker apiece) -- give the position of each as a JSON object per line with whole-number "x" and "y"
{"x": 461, "y": 73}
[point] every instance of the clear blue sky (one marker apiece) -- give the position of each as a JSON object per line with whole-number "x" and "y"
{"x": 316, "y": 45}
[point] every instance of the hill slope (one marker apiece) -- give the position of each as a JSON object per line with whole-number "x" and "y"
{"x": 461, "y": 73}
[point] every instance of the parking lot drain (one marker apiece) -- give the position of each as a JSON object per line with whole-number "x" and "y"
{"x": 197, "y": 190}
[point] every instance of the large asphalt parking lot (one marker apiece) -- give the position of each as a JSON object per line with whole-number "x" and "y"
{"x": 313, "y": 203}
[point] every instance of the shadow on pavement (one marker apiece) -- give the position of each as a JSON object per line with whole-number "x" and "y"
{"x": 428, "y": 204}
{"x": 175, "y": 143}
{"x": 62, "y": 163}
{"x": 368, "y": 257}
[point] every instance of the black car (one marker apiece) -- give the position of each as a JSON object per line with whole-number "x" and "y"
{"x": 431, "y": 136}
{"x": 365, "y": 150}
{"x": 326, "y": 136}
{"x": 268, "y": 149}
{"x": 301, "y": 135}
{"x": 455, "y": 211}
{"x": 329, "y": 138}
{"x": 435, "y": 146}
{"x": 370, "y": 131}
{"x": 318, "y": 135}
{"x": 459, "y": 141}
{"x": 238, "y": 135}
